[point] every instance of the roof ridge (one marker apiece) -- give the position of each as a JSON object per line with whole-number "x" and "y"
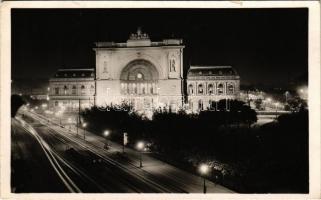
{"x": 77, "y": 69}
{"x": 209, "y": 67}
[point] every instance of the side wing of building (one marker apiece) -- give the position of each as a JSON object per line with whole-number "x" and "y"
{"x": 70, "y": 88}
{"x": 209, "y": 84}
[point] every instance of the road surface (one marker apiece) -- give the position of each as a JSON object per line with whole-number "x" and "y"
{"x": 85, "y": 166}
{"x": 31, "y": 171}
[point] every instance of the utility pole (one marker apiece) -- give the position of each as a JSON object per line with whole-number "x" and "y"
{"x": 78, "y": 117}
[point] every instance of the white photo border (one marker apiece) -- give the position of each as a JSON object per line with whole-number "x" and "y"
{"x": 313, "y": 100}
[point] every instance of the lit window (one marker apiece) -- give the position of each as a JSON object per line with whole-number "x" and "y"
{"x": 65, "y": 89}
{"x": 139, "y": 76}
{"x": 200, "y": 104}
{"x": 190, "y": 89}
{"x": 210, "y": 89}
{"x": 92, "y": 89}
{"x": 74, "y": 89}
{"x": 135, "y": 89}
{"x": 200, "y": 89}
{"x": 82, "y": 89}
{"x": 230, "y": 89}
{"x": 220, "y": 89}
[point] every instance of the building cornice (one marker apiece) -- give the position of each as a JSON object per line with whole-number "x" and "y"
{"x": 138, "y": 47}
{"x": 202, "y": 78}
{"x": 70, "y": 79}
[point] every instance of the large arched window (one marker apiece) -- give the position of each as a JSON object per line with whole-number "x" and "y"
{"x": 143, "y": 73}
{"x": 190, "y": 89}
{"x": 200, "y": 89}
{"x": 220, "y": 89}
{"x": 210, "y": 89}
{"x": 230, "y": 88}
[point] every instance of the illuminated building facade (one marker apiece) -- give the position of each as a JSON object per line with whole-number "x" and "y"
{"x": 209, "y": 84}
{"x": 140, "y": 72}
{"x": 145, "y": 74}
{"x": 70, "y": 88}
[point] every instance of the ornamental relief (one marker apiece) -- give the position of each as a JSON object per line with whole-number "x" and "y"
{"x": 105, "y": 67}
{"x": 173, "y": 61}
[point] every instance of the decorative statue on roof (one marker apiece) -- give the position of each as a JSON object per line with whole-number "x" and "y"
{"x": 139, "y": 35}
{"x": 139, "y": 31}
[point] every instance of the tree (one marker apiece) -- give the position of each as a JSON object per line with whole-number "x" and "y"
{"x": 16, "y": 103}
{"x": 258, "y": 104}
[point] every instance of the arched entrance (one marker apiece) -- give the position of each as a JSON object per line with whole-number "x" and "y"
{"x": 139, "y": 80}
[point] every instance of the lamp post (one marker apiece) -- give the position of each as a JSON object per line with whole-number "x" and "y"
{"x": 106, "y": 134}
{"x": 125, "y": 141}
{"x": 140, "y": 146}
{"x": 204, "y": 169}
{"x": 69, "y": 122}
{"x": 84, "y": 125}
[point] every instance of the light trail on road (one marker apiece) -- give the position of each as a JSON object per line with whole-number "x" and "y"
{"x": 113, "y": 174}
{"x": 72, "y": 187}
{"x": 145, "y": 185}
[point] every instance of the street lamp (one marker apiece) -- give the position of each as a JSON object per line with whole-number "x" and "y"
{"x": 69, "y": 122}
{"x": 58, "y": 115}
{"x": 106, "y": 134}
{"x": 204, "y": 169}
{"x": 140, "y": 146}
{"x": 84, "y": 125}
{"x": 269, "y": 100}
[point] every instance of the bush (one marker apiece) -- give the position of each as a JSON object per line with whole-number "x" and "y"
{"x": 272, "y": 158}
{"x": 16, "y": 103}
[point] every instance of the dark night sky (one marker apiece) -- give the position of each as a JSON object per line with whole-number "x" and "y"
{"x": 266, "y": 46}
